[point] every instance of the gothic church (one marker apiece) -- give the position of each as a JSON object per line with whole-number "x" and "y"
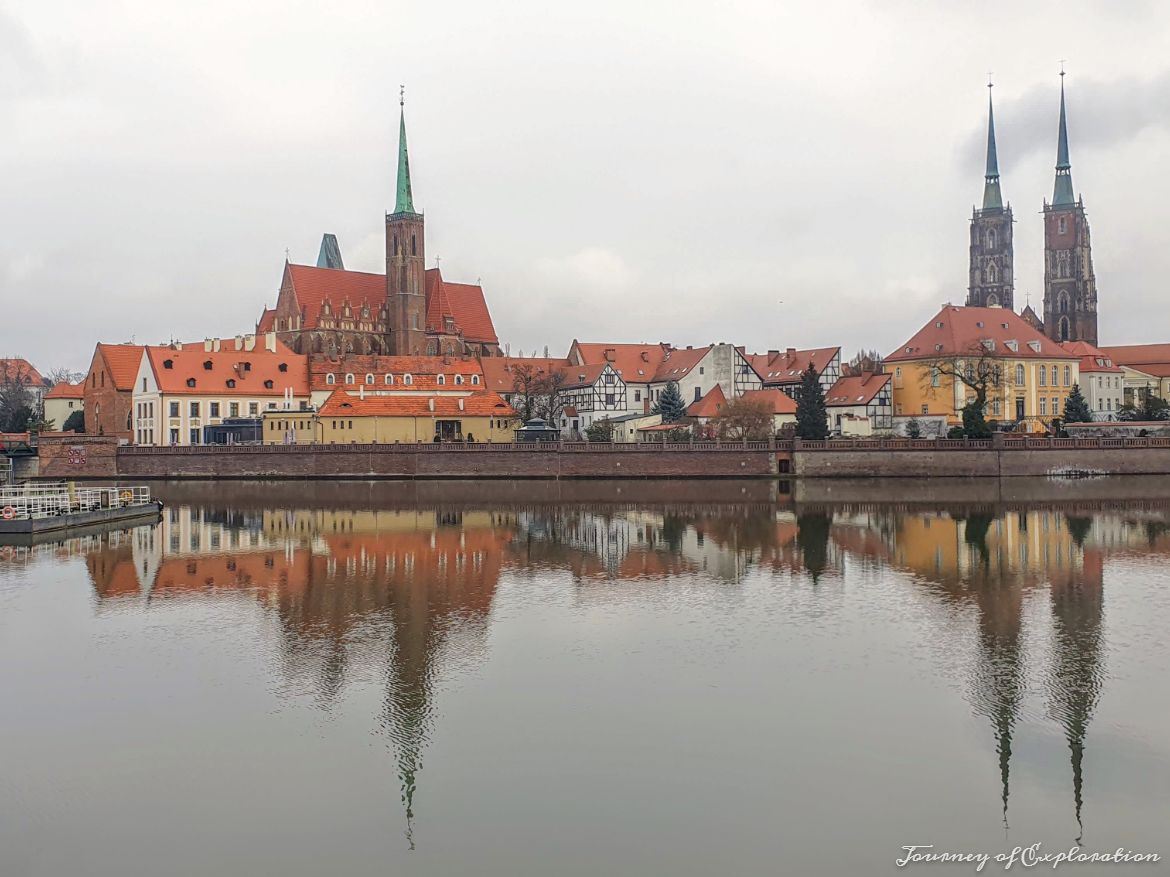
{"x": 408, "y": 311}
{"x": 1070, "y": 286}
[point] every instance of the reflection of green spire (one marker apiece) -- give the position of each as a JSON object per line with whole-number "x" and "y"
{"x": 403, "y": 202}
{"x": 992, "y": 198}
{"x": 1062, "y": 195}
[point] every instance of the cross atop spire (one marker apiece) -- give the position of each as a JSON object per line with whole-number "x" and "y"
{"x": 1062, "y": 195}
{"x": 403, "y": 201}
{"x": 992, "y": 197}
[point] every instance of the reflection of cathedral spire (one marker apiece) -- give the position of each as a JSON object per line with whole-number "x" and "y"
{"x": 1075, "y": 680}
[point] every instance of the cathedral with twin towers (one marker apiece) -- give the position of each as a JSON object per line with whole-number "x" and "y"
{"x": 1070, "y": 287}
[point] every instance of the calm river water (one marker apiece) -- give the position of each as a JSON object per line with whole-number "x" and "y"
{"x": 587, "y": 679}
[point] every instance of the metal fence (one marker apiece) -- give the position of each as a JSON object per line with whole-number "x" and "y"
{"x": 50, "y": 500}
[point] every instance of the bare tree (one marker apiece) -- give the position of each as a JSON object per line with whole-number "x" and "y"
{"x": 866, "y": 361}
{"x": 526, "y": 381}
{"x": 744, "y": 419}
{"x": 18, "y": 405}
{"x": 979, "y": 371}
{"x": 63, "y": 376}
{"x": 552, "y": 398}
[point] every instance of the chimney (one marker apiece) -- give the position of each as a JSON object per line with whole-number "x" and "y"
{"x": 772, "y": 354}
{"x": 460, "y": 403}
{"x": 791, "y": 351}
{"x": 249, "y": 342}
{"x": 689, "y": 347}
{"x": 270, "y": 342}
{"x": 215, "y": 345}
{"x": 207, "y": 345}
{"x": 645, "y": 356}
{"x": 239, "y": 342}
{"x": 609, "y": 354}
{"x": 431, "y": 404}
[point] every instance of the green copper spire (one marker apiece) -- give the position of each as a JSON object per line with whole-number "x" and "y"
{"x": 1062, "y": 195}
{"x": 403, "y": 202}
{"x": 992, "y": 198}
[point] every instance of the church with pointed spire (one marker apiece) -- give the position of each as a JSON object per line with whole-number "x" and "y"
{"x": 408, "y": 311}
{"x": 1070, "y": 286}
{"x": 991, "y": 268}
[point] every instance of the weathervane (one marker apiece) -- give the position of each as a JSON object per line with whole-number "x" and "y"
{"x": 402, "y": 95}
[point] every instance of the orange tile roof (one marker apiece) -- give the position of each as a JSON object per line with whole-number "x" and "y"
{"x": 961, "y": 331}
{"x": 678, "y": 363}
{"x": 11, "y": 369}
{"x": 422, "y": 369}
{"x": 786, "y": 366}
{"x": 499, "y": 375}
{"x": 471, "y": 311}
{"x": 856, "y": 389}
{"x": 65, "y": 390}
{"x": 267, "y": 321}
{"x": 636, "y": 363}
{"x": 191, "y": 363}
{"x": 312, "y": 286}
{"x": 1153, "y": 359}
{"x": 779, "y": 401}
{"x": 710, "y": 405}
{"x": 122, "y": 361}
{"x": 1093, "y": 359}
{"x": 479, "y": 404}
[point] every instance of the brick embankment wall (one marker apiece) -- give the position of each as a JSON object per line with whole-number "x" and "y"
{"x": 980, "y": 463}
{"x": 390, "y": 461}
{"x": 79, "y": 456}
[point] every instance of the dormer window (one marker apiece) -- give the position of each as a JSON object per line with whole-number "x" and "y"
{"x": 475, "y": 380}
{"x": 283, "y": 367}
{"x": 247, "y": 366}
{"x": 408, "y": 379}
{"x": 1035, "y": 346}
{"x": 440, "y": 380}
{"x": 207, "y": 365}
{"x": 231, "y": 382}
{"x": 369, "y": 380}
{"x": 458, "y": 379}
{"x": 268, "y": 385}
{"x": 389, "y": 379}
{"x": 349, "y": 378}
{"x": 168, "y": 363}
{"x": 989, "y": 344}
{"x": 1013, "y": 346}
{"x": 190, "y": 382}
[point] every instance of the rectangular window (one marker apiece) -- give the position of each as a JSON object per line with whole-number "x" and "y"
{"x": 700, "y": 369}
{"x": 609, "y": 398}
{"x": 1043, "y": 405}
{"x": 195, "y": 436}
{"x": 698, "y": 393}
{"x": 174, "y": 409}
{"x": 194, "y": 409}
{"x": 925, "y": 409}
{"x": 214, "y": 409}
{"x": 253, "y": 408}
{"x": 637, "y": 395}
{"x": 144, "y": 385}
{"x": 1043, "y": 376}
{"x": 233, "y": 409}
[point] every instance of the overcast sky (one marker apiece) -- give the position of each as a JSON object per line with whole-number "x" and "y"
{"x": 770, "y": 174}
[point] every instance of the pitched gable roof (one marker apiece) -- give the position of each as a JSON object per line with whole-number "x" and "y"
{"x": 1093, "y": 359}
{"x": 856, "y": 389}
{"x": 499, "y": 371}
{"x": 786, "y": 366}
{"x": 64, "y": 390}
{"x": 777, "y": 400}
{"x": 122, "y": 361}
{"x": 22, "y": 369}
{"x": 478, "y": 404}
{"x": 710, "y": 405}
{"x": 961, "y": 331}
{"x": 211, "y": 371}
{"x": 636, "y": 363}
{"x": 678, "y": 363}
{"x": 1152, "y": 359}
{"x": 312, "y": 286}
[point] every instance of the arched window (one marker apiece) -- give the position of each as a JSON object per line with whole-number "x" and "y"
{"x": 993, "y": 300}
{"x": 407, "y": 379}
{"x": 475, "y": 380}
{"x": 969, "y": 373}
{"x": 991, "y": 239}
{"x": 1020, "y": 375}
{"x": 458, "y": 379}
{"x": 369, "y": 379}
{"x": 330, "y": 379}
{"x": 413, "y": 248}
{"x": 441, "y": 379}
{"x": 1043, "y": 376}
{"x": 395, "y": 245}
{"x": 1067, "y": 376}
{"x": 1064, "y": 328}
{"x": 990, "y": 272}
{"x": 349, "y": 379}
{"x": 935, "y": 376}
{"x": 1054, "y": 381}
{"x": 389, "y": 379}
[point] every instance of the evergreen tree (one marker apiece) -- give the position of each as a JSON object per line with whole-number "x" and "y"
{"x": 1076, "y": 409}
{"x": 670, "y": 404}
{"x": 913, "y": 428}
{"x": 812, "y": 419}
{"x": 974, "y": 423}
{"x": 75, "y": 422}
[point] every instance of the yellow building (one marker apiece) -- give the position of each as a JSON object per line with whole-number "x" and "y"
{"x": 1029, "y": 376}
{"x": 395, "y": 417}
{"x": 62, "y": 401}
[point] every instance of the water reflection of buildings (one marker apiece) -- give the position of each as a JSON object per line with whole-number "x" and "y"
{"x": 411, "y": 589}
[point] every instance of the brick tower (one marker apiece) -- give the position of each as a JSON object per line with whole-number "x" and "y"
{"x": 1070, "y": 287}
{"x": 405, "y": 262}
{"x": 992, "y": 269}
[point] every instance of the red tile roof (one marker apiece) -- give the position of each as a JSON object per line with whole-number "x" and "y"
{"x": 786, "y": 366}
{"x": 499, "y": 374}
{"x": 422, "y": 369}
{"x": 1093, "y": 359}
{"x": 312, "y": 286}
{"x": 1153, "y": 359}
{"x": 267, "y": 321}
{"x": 479, "y": 404}
{"x": 191, "y": 362}
{"x": 636, "y": 363}
{"x": 65, "y": 390}
{"x": 710, "y": 405}
{"x": 856, "y": 390}
{"x": 122, "y": 361}
{"x": 779, "y": 401}
{"x": 961, "y": 331}
{"x": 11, "y": 369}
{"x": 678, "y": 363}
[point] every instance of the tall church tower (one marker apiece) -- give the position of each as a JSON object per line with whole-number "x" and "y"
{"x": 992, "y": 268}
{"x": 405, "y": 263}
{"x": 1070, "y": 287}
